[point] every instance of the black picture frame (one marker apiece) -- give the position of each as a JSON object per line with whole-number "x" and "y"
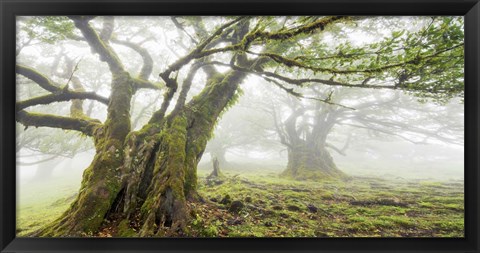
{"x": 470, "y": 9}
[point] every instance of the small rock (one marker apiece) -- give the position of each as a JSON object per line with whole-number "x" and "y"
{"x": 226, "y": 200}
{"x": 255, "y": 208}
{"x": 312, "y": 208}
{"x": 293, "y": 208}
{"x": 201, "y": 200}
{"x": 236, "y": 206}
{"x": 248, "y": 199}
{"x": 276, "y": 207}
{"x": 284, "y": 215}
{"x": 214, "y": 181}
{"x": 268, "y": 224}
{"x": 321, "y": 234}
{"x": 235, "y": 221}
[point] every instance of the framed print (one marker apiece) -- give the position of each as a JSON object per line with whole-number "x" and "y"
{"x": 255, "y": 126}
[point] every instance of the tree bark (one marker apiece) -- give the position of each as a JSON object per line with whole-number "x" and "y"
{"x": 102, "y": 179}
{"x": 167, "y": 178}
{"x": 308, "y": 158}
{"x": 310, "y": 163}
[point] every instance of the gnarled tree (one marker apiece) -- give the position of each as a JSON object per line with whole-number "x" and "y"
{"x": 307, "y": 127}
{"x": 149, "y": 175}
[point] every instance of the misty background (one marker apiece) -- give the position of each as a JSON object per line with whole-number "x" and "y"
{"x": 247, "y": 136}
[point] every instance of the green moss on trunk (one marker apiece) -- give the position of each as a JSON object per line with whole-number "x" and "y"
{"x": 102, "y": 179}
{"x": 306, "y": 163}
{"x": 154, "y": 169}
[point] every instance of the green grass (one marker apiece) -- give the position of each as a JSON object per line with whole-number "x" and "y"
{"x": 277, "y": 207}
{"x": 39, "y": 203}
{"x": 360, "y": 207}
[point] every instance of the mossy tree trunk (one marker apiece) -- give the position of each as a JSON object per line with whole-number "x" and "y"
{"x": 310, "y": 163}
{"x": 148, "y": 175}
{"x": 308, "y": 156}
{"x": 102, "y": 179}
{"x": 163, "y": 160}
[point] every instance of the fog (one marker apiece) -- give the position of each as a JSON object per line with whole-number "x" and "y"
{"x": 248, "y": 137}
{"x": 398, "y": 135}
{"x": 404, "y": 153}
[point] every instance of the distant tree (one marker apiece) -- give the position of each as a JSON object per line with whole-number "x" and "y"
{"x": 242, "y": 129}
{"x": 306, "y": 129}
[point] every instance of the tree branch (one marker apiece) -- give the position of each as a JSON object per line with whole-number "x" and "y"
{"x": 180, "y": 26}
{"x": 98, "y": 45}
{"x": 319, "y": 24}
{"x": 39, "y": 161}
{"x": 293, "y": 63}
{"x": 58, "y": 94}
{"x": 144, "y": 84}
{"x": 341, "y": 152}
{"x": 187, "y": 83}
{"x": 38, "y": 78}
{"x": 107, "y": 28}
{"x": 197, "y": 52}
{"x": 281, "y": 133}
{"x": 147, "y": 67}
{"x": 60, "y": 97}
{"x": 87, "y": 127}
{"x": 301, "y": 82}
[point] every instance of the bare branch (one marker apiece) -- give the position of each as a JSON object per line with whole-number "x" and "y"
{"x": 300, "y": 95}
{"x": 38, "y": 78}
{"x": 180, "y": 26}
{"x": 58, "y": 94}
{"x": 147, "y": 67}
{"x": 197, "y": 52}
{"x": 39, "y": 161}
{"x": 281, "y": 133}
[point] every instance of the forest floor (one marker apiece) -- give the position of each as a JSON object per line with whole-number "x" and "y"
{"x": 256, "y": 205}
{"x": 264, "y": 205}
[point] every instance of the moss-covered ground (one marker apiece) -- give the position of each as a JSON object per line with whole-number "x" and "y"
{"x": 265, "y": 205}
{"x": 358, "y": 207}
